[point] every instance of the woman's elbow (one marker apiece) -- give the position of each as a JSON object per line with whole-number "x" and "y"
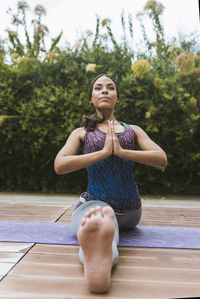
{"x": 57, "y": 170}
{"x": 164, "y": 161}
{"x": 58, "y": 167}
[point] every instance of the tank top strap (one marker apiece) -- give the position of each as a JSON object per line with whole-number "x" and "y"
{"x": 128, "y": 127}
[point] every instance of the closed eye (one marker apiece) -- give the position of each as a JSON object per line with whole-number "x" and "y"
{"x": 110, "y": 86}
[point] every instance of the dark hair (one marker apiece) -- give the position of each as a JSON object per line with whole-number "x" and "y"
{"x": 89, "y": 122}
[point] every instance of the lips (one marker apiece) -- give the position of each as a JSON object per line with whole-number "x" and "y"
{"x": 104, "y": 98}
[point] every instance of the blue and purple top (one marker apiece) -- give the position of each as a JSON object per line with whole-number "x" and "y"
{"x": 112, "y": 179}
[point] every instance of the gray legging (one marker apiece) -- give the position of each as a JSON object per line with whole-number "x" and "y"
{"x": 124, "y": 220}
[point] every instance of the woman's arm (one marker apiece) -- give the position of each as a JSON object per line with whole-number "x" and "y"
{"x": 149, "y": 154}
{"x": 68, "y": 160}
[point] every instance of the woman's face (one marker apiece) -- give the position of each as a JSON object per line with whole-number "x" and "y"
{"x": 104, "y": 94}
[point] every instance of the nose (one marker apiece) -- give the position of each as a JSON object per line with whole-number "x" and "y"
{"x": 104, "y": 90}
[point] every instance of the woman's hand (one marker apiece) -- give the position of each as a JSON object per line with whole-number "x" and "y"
{"x": 108, "y": 145}
{"x": 117, "y": 150}
{"x": 112, "y": 145}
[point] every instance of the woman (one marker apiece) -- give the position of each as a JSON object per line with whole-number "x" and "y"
{"x": 112, "y": 199}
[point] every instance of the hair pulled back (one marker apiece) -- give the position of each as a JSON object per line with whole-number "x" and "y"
{"x": 89, "y": 122}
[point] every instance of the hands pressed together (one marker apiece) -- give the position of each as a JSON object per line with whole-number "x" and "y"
{"x": 112, "y": 145}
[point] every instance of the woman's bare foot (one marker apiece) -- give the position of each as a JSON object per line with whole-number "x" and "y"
{"x": 95, "y": 237}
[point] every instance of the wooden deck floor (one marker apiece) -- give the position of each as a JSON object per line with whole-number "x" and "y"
{"x": 29, "y": 270}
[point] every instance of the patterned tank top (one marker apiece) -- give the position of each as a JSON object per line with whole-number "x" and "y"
{"x": 112, "y": 179}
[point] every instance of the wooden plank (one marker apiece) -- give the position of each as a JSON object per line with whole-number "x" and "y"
{"x": 10, "y": 254}
{"x": 43, "y": 296}
{"x": 15, "y": 247}
{"x": 157, "y": 269}
{"x": 120, "y": 273}
{"x": 11, "y": 257}
{"x": 67, "y": 215}
{"x": 171, "y": 216}
{"x": 31, "y": 212}
{"x": 51, "y": 258}
{"x": 33, "y": 218}
{"x": 34, "y": 270}
{"x": 31, "y": 208}
{"x": 168, "y": 261}
{"x": 159, "y": 216}
{"x": 55, "y": 249}
{"x": 73, "y": 287}
{"x": 5, "y": 268}
{"x": 123, "y": 251}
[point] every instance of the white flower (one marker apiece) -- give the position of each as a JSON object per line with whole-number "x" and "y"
{"x": 90, "y": 67}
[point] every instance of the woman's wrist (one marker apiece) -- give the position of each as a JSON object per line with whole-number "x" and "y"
{"x": 120, "y": 153}
{"x": 105, "y": 153}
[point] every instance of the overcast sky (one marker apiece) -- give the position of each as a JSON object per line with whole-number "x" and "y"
{"x": 75, "y": 16}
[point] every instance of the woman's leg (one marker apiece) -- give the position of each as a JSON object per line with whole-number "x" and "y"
{"x": 129, "y": 219}
{"x": 95, "y": 225}
{"x": 80, "y": 209}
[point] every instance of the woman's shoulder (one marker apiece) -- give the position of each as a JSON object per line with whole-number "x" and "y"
{"x": 79, "y": 132}
{"x": 135, "y": 128}
{"x": 140, "y": 133}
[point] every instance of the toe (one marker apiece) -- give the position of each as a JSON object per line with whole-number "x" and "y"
{"x": 108, "y": 211}
{"x": 87, "y": 214}
{"x": 83, "y": 221}
{"x": 98, "y": 211}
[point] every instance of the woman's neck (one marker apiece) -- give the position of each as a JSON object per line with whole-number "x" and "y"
{"x": 107, "y": 115}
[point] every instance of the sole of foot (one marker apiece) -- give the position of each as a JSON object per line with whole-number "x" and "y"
{"x": 95, "y": 236}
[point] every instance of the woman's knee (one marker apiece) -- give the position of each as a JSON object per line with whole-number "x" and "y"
{"x": 129, "y": 219}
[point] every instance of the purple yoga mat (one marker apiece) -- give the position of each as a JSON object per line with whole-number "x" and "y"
{"x": 60, "y": 233}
